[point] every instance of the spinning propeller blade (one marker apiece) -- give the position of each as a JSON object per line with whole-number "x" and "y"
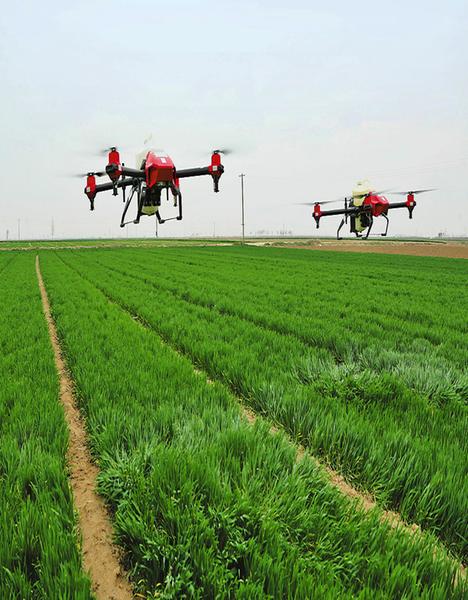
{"x": 96, "y": 173}
{"x": 345, "y": 199}
{"x": 225, "y": 151}
{"x": 386, "y": 191}
{"x": 105, "y": 151}
{"x": 322, "y": 203}
{"x": 414, "y": 192}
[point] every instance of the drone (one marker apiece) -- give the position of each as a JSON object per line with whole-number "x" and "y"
{"x": 155, "y": 174}
{"x": 363, "y": 206}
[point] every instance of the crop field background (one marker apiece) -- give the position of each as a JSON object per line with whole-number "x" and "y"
{"x": 361, "y": 360}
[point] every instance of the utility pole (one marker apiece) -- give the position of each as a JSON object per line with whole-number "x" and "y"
{"x": 19, "y": 229}
{"x": 52, "y": 229}
{"x": 242, "y": 175}
{"x": 7, "y": 234}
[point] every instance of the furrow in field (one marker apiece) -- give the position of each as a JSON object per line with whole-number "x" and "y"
{"x": 100, "y": 556}
{"x": 405, "y": 450}
{"x": 205, "y": 504}
{"x": 39, "y": 545}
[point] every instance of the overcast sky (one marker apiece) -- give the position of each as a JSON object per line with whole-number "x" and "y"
{"x": 312, "y": 95}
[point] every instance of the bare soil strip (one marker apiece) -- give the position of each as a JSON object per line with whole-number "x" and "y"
{"x": 143, "y": 244}
{"x": 428, "y": 247}
{"x": 423, "y": 248}
{"x": 100, "y": 556}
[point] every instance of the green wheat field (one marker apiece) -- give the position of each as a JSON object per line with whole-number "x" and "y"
{"x": 361, "y": 359}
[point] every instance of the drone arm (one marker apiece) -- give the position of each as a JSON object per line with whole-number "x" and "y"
{"x": 339, "y": 211}
{"x": 196, "y": 172}
{"x": 122, "y": 170}
{"x": 409, "y": 204}
{"x": 216, "y": 169}
{"x": 122, "y": 183}
{"x": 397, "y": 205}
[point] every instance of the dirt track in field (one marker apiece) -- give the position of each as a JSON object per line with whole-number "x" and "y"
{"x": 445, "y": 249}
{"x": 441, "y": 249}
{"x": 100, "y": 556}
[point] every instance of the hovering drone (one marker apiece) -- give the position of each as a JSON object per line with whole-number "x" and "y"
{"x": 155, "y": 173}
{"x": 363, "y": 206}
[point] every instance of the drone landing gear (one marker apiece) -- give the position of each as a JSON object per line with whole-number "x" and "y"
{"x": 127, "y": 204}
{"x": 177, "y": 199}
{"x": 339, "y": 229}
{"x": 151, "y": 199}
{"x": 177, "y": 202}
{"x": 386, "y": 227}
{"x": 371, "y": 222}
{"x": 140, "y": 201}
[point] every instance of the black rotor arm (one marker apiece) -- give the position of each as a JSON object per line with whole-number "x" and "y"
{"x": 409, "y": 205}
{"x": 195, "y": 172}
{"x": 121, "y": 183}
{"x": 126, "y": 171}
{"x": 179, "y": 173}
{"x": 398, "y": 205}
{"x": 214, "y": 170}
{"x": 341, "y": 211}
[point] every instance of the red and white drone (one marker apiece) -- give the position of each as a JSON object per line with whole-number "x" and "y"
{"x": 156, "y": 172}
{"x": 363, "y": 206}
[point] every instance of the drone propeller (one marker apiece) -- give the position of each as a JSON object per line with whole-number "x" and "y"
{"x": 414, "y": 192}
{"x": 341, "y": 199}
{"x": 318, "y": 202}
{"x": 224, "y": 151}
{"x": 105, "y": 151}
{"x": 96, "y": 173}
{"x": 386, "y": 191}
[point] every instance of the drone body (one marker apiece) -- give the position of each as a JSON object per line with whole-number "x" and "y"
{"x": 156, "y": 172}
{"x": 363, "y": 206}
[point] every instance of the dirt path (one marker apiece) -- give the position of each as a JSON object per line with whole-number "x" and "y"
{"x": 143, "y": 244}
{"x": 100, "y": 556}
{"x": 423, "y": 248}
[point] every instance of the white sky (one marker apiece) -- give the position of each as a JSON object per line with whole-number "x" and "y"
{"x": 313, "y": 95}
